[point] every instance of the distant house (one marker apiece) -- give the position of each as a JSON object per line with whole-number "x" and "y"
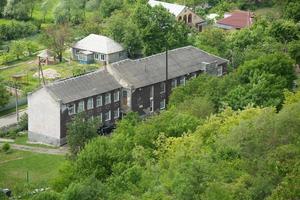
{"x": 141, "y": 86}
{"x": 97, "y": 48}
{"x": 236, "y": 20}
{"x": 182, "y": 13}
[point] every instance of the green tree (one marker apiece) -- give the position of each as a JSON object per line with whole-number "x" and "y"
{"x": 18, "y": 48}
{"x": 109, "y": 6}
{"x": 292, "y": 11}
{"x": 4, "y": 96}
{"x": 80, "y": 131}
{"x": 284, "y": 31}
{"x": 56, "y": 38}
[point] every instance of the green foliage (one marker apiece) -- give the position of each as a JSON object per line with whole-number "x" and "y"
{"x": 80, "y": 131}
{"x": 5, "y": 147}
{"x": 292, "y": 11}
{"x": 212, "y": 40}
{"x": 4, "y": 96}
{"x": 284, "y": 31}
{"x": 23, "y": 123}
{"x": 47, "y": 195}
{"x": 19, "y": 9}
{"x": 108, "y": 6}
{"x": 90, "y": 189}
{"x": 16, "y": 29}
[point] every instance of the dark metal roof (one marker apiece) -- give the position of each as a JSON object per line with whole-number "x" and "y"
{"x": 80, "y": 87}
{"x": 152, "y": 69}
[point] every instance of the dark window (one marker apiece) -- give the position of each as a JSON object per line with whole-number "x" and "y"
{"x": 190, "y": 18}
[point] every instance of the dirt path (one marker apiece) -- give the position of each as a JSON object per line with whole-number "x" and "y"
{"x": 58, "y": 151}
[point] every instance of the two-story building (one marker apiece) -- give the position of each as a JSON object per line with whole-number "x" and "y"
{"x": 141, "y": 86}
{"x": 181, "y": 13}
{"x": 98, "y": 48}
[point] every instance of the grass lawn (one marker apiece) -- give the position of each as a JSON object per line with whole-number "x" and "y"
{"x": 15, "y": 165}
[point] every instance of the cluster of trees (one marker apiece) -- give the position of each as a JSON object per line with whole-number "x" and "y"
{"x": 16, "y": 29}
{"x": 17, "y": 9}
{"x": 187, "y": 153}
{"x": 18, "y": 49}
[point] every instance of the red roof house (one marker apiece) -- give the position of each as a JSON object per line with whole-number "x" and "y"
{"x": 236, "y": 20}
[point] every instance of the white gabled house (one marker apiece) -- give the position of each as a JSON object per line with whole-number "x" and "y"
{"x": 98, "y": 48}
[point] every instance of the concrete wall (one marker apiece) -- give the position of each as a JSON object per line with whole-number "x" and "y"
{"x": 115, "y": 57}
{"x": 43, "y": 118}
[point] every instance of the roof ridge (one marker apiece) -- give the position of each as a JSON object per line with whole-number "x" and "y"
{"x": 75, "y": 77}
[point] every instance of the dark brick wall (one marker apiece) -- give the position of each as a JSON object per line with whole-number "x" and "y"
{"x": 65, "y": 118}
{"x": 141, "y": 96}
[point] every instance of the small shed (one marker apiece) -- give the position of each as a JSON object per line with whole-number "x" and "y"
{"x": 46, "y": 57}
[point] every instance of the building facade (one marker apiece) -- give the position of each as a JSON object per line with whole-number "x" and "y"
{"x": 141, "y": 86}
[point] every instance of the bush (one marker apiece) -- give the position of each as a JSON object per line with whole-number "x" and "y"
{"x": 6, "y": 147}
{"x": 48, "y": 195}
{"x": 23, "y": 123}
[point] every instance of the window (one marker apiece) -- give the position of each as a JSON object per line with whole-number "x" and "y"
{"x": 190, "y": 18}
{"x": 107, "y": 98}
{"x": 100, "y": 117}
{"x": 71, "y": 109}
{"x": 102, "y": 57}
{"x": 90, "y": 103}
{"x": 151, "y": 105}
{"x": 82, "y": 57}
{"x": 116, "y": 96}
{"x": 107, "y": 116}
{"x": 77, "y": 51}
{"x": 121, "y": 54}
{"x": 162, "y": 104}
{"x": 117, "y": 113}
{"x": 96, "y": 56}
{"x": 174, "y": 83}
{"x": 152, "y": 91}
{"x": 162, "y": 87}
{"x": 182, "y": 81}
{"x": 99, "y": 101}
{"x": 80, "y": 106}
{"x": 220, "y": 70}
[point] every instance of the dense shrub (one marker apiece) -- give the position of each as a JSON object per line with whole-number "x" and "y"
{"x": 6, "y": 147}
{"x": 15, "y": 30}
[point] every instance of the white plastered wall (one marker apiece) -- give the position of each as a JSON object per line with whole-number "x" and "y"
{"x": 43, "y": 117}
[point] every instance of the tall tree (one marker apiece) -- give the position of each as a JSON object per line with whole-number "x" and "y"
{"x": 56, "y": 38}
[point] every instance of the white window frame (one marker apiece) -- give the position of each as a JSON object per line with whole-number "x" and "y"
{"x": 109, "y": 116}
{"x": 99, "y": 101}
{"x": 73, "y": 106}
{"x": 220, "y": 70}
{"x": 151, "y": 92}
{"x": 164, "y": 87}
{"x": 90, "y": 103}
{"x": 116, "y": 94}
{"x": 80, "y": 103}
{"x": 100, "y": 117}
{"x": 164, "y": 104}
{"x": 118, "y": 113}
{"x": 182, "y": 78}
{"x": 96, "y": 56}
{"x": 151, "y": 105}
{"x": 102, "y": 57}
{"x": 109, "y": 101}
{"x": 174, "y": 83}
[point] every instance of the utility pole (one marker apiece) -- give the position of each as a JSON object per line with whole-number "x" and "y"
{"x": 15, "y": 78}
{"x": 167, "y": 72}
